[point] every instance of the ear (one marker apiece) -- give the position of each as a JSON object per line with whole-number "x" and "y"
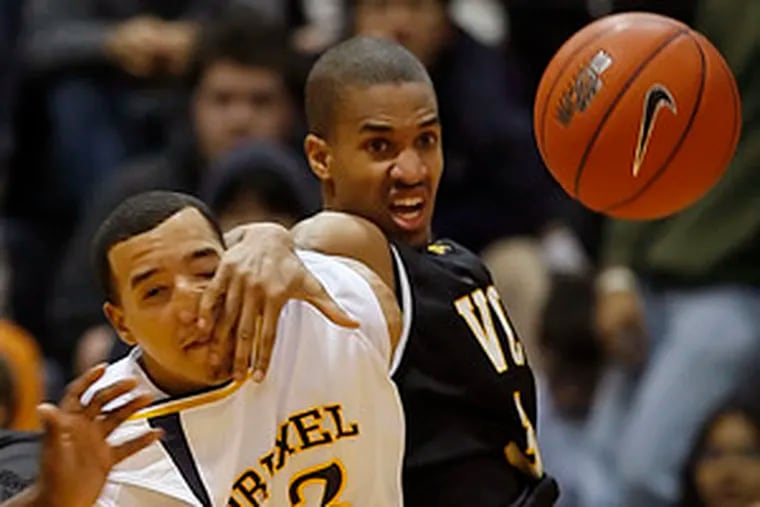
{"x": 115, "y": 315}
{"x": 318, "y": 153}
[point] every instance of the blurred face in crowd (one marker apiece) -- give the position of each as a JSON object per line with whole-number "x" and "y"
{"x": 571, "y": 384}
{"x": 234, "y": 103}
{"x": 246, "y": 207}
{"x": 159, "y": 277}
{"x": 383, "y": 158}
{"x": 728, "y": 470}
{"x": 421, "y": 26}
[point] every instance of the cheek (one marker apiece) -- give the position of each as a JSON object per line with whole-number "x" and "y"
{"x": 705, "y": 477}
{"x": 367, "y": 185}
{"x": 153, "y": 326}
{"x": 751, "y": 477}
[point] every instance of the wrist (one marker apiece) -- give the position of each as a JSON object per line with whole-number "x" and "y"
{"x": 268, "y": 233}
{"x": 616, "y": 279}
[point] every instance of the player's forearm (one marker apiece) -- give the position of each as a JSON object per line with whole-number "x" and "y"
{"x": 335, "y": 233}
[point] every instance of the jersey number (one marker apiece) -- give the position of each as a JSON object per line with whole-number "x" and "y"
{"x": 330, "y": 477}
{"x": 483, "y": 328}
{"x": 528, "y": 461}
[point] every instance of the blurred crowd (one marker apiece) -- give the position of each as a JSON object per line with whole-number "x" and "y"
{"x": 644, "y": 336}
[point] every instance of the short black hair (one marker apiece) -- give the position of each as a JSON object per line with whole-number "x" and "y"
{"x": 239, "y": 34}
{"x": 567, "y": 320}
{"x": 134, "y": 216}
{"x": 358, "y": 61}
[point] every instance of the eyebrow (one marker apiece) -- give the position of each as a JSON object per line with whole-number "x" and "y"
{"x": 430, "y": 122}
{"x": 142, "y": 276}
{"x": 201, "y": 253}
{"x": 196, "y": 254}
{"x": 377, "y": 128}
{"x": 383, "y": 128}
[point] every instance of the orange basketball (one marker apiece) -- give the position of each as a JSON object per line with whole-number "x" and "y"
{"x": 637, "y": 116}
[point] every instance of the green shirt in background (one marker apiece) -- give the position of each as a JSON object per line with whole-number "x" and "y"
{"x": 717, "y": 240}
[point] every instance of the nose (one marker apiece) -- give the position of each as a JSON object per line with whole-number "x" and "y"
{"x": 187, "y": 294}
{"x": 240, "y": 114}
{"x": 409, "y": 168}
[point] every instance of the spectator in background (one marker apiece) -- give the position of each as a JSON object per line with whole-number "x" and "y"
{"x": 10, "y": 21}
{"x": 566, "y": 376}
{"x": 7, "y": 394}
{"x": 724, "y": 467}
{"x": 242, "y": 80}
{"x": 679, "y": 305}
{"x": 24, "y": 377}
{"x": 258, "y": 183}
{"x": 107, "y": 63}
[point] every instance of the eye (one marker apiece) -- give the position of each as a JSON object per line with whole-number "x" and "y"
{"x": 427, "y": 140}
{"x": 154, "y": 292}
{"x": 377, "y": 146}
{"x": 220, "y": 99}
{"x": 206, "y": 275}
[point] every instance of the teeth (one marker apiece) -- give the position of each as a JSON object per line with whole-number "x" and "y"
{"x": 408, "y": 201}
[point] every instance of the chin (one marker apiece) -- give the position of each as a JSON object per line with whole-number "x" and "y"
{"x": 415, "y": 239}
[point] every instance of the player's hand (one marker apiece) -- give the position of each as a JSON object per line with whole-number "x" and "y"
{"x": 619, "y": 320}
{"x": 258, "y": 274}
{"x": 134, "y": 45}
{"x": 76, "y": 458}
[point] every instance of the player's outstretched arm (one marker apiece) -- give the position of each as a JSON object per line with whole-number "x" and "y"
{"x": 76, "y": 458}
{"x": 260, "y": 272}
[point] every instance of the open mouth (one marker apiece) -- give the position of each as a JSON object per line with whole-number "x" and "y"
{"x": 408, "y": 212}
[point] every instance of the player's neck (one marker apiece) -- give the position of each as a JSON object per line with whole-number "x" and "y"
{"x": 166, "y": 381}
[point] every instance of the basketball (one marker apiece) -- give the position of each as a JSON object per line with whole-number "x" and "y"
{"x": 637, "y": 116}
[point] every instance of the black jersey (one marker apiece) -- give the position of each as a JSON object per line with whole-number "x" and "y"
{"x": 19, "y": 461}
{"x": 464, "y": 380}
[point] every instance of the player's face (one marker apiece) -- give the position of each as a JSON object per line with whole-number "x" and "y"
{"x": 728, "y": 473}
{"x": 159, "y": 276}
{"x": 235, "y": 103}
{"x": 383, "y": 160}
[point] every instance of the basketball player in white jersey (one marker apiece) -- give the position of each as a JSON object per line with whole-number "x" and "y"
{"x": 324, "y": 428}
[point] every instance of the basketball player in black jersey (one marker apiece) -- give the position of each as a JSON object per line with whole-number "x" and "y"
{"x": 467, "y": 389}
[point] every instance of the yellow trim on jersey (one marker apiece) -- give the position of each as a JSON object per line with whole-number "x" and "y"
{"x": 173, "y": 406}
{"x": 438, "y": 248}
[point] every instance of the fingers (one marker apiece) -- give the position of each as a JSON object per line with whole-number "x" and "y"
{"x": 265, "y": 338}
{"x": 319, "y": 297}
{"x": 50, "y": 415}
{"x": 106, "y": 395}
{"x": 74, "y": 391}
{"x": 234, "y": 299}
{"x": 233, "y": 237}
{"x": 130, "y": 447}
{"x": 212, "y": 298}
{"x": 114, "y": 418}
{"x": 244, "y": 339}
{"x": 225, "y": 323}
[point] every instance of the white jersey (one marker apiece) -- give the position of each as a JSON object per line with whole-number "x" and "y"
{"x": 325, "y": 427}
